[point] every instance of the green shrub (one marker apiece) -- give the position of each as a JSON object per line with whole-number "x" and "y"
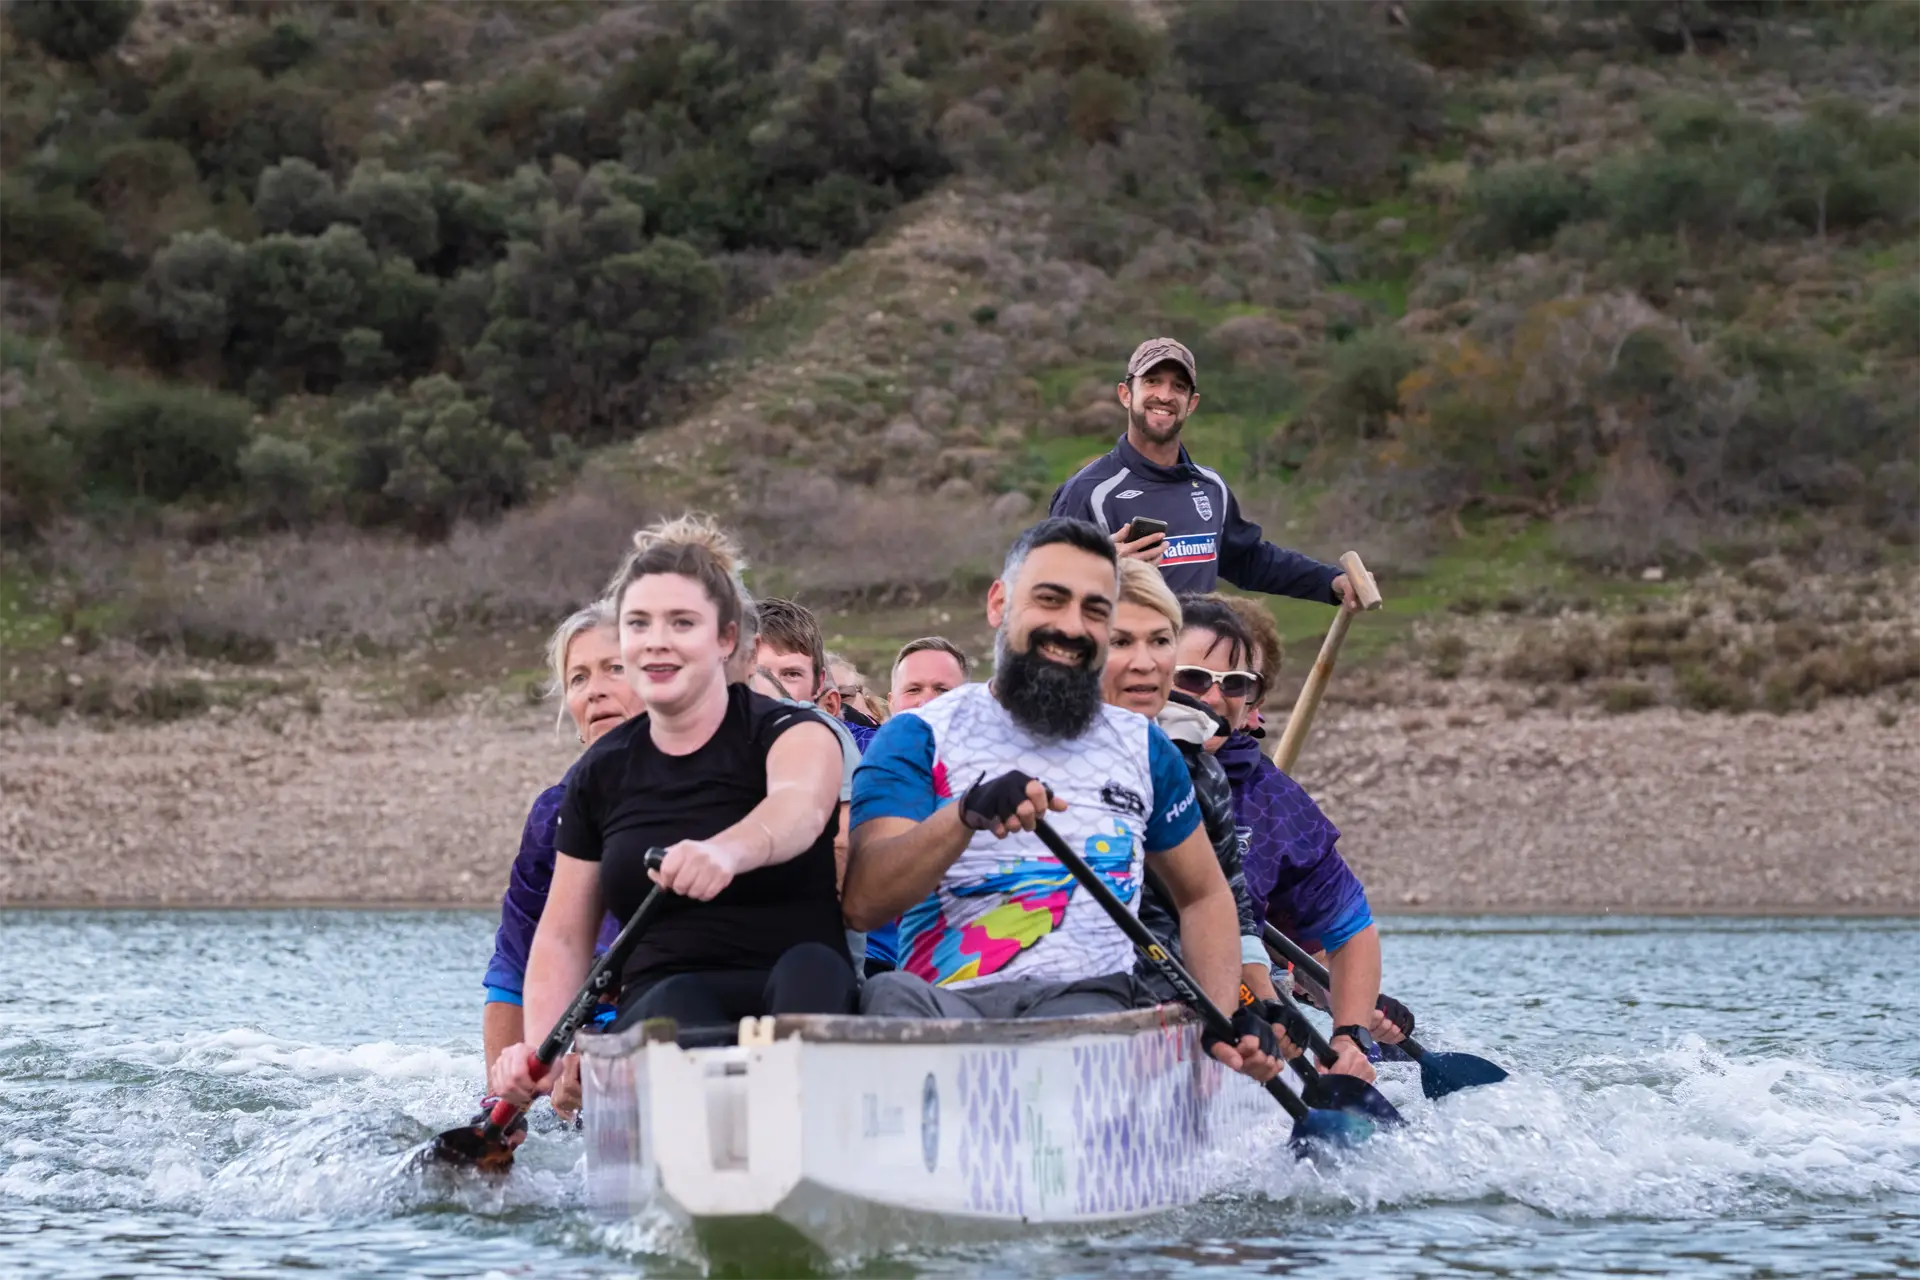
{"x": 586, "y": 308}
{"x": 1895, "y": 319}
{"x": 297, "y": 197}
{"x": 1622, "y": 697}
{"x": 162, "y": 444}
{"x": 1522, "y": 206}
{"x": 285, "y": 483}
{"x": 1703, "y": 689}
{"x": 73, "y": 30}
{"x": 1472, "y": 33}
{"x": 1714, "y": 172}
{"x": 53, "y": 236}
{"x": 236, "y": 124}
{"x": 190, "y": 294}
{"x": 142, "y": 186}
{"x": 36, "y": 472}
{"x": 1363, "y": 386}
{"x": 1890, "y": 23}
{"x": 282, "y": 48}
{"x": 302, "y": 295}
{"x": 395, "y": 211}
{"x": 1314, "y": 94}
{"x": 171, "y": 700}
{"x": 432, "y": 457}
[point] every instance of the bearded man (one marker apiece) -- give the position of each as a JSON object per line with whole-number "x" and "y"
{"x": 1149, "y": 476}
{"x": 949, "y": 794}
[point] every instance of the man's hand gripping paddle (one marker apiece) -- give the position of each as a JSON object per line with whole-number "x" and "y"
{"x": 1294, "y": 736}
{"x": 1325, "y": 1090}
{"x": 484, "y": 1146}
{"x": 1440, "y": 1073}
{"x": 1328, "y": 1089}
{"x": 1310, "y": 1124}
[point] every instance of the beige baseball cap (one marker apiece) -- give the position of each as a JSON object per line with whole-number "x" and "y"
{"x": 1158, "y": 351}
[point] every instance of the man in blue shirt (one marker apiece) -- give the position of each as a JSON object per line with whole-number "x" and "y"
{"x": 948, "y": 796}
{"x": 1149, "y": 475}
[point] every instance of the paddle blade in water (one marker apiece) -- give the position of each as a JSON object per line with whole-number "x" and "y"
{"x": 1332, "y": 1092}
{"x": 471, "y": 1146}
{"x": 1445, "y": 1073}
{"x": 1329, "y": 1129}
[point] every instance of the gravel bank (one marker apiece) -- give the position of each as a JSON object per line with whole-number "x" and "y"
{"x": 1468, "y": 808}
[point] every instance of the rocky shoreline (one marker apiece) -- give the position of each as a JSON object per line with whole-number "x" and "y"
{"x": 1468, "y": 805}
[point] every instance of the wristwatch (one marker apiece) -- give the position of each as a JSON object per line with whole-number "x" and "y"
{"x": 1356, "y": 1033}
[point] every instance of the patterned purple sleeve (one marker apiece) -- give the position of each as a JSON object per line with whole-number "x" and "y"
{"x": 527, "y": 886}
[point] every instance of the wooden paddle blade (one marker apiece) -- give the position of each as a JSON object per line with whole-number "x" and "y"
{"x": 471, "y": 1146}
{"x": 1320, "y": 1130}
{"x": 1351, "y": 1095}
{"x": 1445, "y": 1073}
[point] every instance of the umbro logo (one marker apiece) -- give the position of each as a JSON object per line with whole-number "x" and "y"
{"x": 1130, "y": 493}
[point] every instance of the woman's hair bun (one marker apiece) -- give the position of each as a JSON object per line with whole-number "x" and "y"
{"x": 694, "y": 530}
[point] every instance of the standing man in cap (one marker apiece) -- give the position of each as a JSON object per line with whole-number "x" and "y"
{"x": 1149, "y": 476}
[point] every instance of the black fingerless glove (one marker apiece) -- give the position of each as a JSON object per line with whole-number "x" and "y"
{"x": 1293, "y": 1024}
{"x": 1246, "y": 1023}
{"x": 1398, "y": 1014}
{"x": 994, "y": 800}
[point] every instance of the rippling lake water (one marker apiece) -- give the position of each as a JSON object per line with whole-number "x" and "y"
{"x": 231, "y": 1094}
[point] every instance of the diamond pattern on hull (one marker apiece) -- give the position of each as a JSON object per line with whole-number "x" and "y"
{"x": 990, "y": 1131}
{"x": 1146, "y": 1112}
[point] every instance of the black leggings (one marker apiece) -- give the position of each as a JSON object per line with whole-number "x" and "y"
{"x": 809, "y": 978}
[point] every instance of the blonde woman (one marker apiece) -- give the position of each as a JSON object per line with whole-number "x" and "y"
{"x": 590, "y": 682}
{"x": 1142, "y": 644}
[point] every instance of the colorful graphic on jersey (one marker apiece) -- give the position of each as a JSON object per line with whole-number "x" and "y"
{"x": 1034, "y": 901}
{"x": 1190, "y": 548}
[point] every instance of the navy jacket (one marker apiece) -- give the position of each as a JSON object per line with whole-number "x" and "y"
{"x": 1207, "y": 537}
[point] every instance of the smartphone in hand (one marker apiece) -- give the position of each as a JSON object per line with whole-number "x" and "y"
{"x": 1141, "y": 527}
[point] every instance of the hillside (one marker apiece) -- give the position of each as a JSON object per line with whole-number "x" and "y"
{"x": 347, "y": 342}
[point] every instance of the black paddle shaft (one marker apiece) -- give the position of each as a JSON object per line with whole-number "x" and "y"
{"x": 601, "y": 976}
{"x": 600, "y": 979}
{"x": 1297, "y": 955}
{"x": 1172, "y": 970}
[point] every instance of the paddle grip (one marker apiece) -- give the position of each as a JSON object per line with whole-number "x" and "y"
{"x": 1175, "y": 973}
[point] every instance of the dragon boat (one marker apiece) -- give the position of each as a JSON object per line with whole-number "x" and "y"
{"x": 846, "y": 1134}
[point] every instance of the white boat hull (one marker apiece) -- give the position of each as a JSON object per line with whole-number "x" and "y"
{"x": 862, "y": 1132}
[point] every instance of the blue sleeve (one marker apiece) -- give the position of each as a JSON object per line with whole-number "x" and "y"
{"x": 1176, "y": 810}
{"x": 896, "y": 777}
{"x": 1251, "y": 563}
{"x": 526, "y": 896}
{"x": 1071, "y": 499}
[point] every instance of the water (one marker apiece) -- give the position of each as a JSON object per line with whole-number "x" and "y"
{"x": 229, "y": 1094}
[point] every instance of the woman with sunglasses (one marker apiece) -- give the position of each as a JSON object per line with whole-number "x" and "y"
{"x": 1139, "y": 677}
{"x": 1295, "y": 875}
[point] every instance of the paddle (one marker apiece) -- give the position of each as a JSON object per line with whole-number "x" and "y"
{"x": 485, "y": 1145}
{"x": 1310, "y": 1124}
{"x": 1329, "y": 1091}
{"x": 1287, "y": 750}
{"x": 1440, "y": 1073}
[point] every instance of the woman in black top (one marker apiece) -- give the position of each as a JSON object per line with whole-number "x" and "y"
{"x": 743, "y": 793}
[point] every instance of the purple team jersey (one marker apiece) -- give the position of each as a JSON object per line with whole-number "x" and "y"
{"x": 1295, "y": 876}
{"x": 526, "y": 898}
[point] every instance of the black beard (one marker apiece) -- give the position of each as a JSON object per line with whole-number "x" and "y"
{"x": 1046, "y": 698}
{"x": 1137, "y": 418}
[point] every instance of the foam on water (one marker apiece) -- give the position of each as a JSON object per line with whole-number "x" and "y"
{"x": 294, "y": 1130}
{"x": 1681, "y": 1132}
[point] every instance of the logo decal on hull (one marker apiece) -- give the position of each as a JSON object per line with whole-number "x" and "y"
{"x": 930, "y": 1123}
